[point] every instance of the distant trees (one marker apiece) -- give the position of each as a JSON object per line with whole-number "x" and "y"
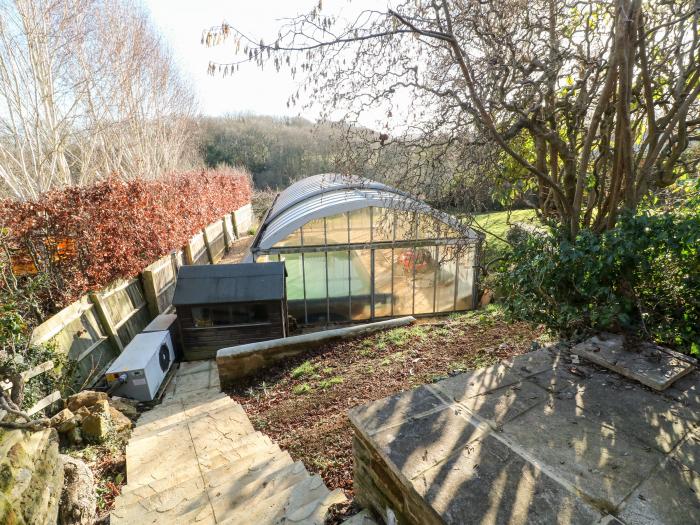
{"x": 589, "y": 105}
{"x": 275, "y": 150}
{"x": 87, "y": 89}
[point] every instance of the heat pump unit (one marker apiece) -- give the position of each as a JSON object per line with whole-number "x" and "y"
{"x": 140, "y": 369}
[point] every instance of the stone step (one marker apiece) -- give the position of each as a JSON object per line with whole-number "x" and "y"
{"x": 226, "y": 414}
{"x": 315, "y": 512}
{"x": 192, "y": 397}
{"x": 251, "y": 446}
{"x": 175, "y": 409}
{"x": 239, "y": 482}
{"x": 192, "y": 498}
{"x": 232, "y": 498}
{"x": 226, "y": 451}
{"x": 224, "y": 419}
{"x": 361, "y": 518}
{"x": 277, "y": 508}
{"x": 172, "y": 509}
{"x": 251, "y": 463}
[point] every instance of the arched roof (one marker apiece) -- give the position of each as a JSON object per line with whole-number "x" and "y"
{"x": 330, "y": 194}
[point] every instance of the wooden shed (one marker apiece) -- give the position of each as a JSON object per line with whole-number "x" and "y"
{"x": 225, "y": 305}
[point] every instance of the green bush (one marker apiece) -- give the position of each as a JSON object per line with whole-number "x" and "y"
{"x": 642, "y": 276}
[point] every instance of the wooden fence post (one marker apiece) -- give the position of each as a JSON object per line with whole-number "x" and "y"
{"x": 207, "y": 245}
{"x": 189, "y": 256}
{"x": 150, "y": 291}
{"x": 106, "y": 321}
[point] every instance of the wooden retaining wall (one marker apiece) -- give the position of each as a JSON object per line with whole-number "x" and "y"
{"x": 95, "y": 329}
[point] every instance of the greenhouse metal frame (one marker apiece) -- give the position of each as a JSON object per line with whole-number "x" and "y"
{"x": 358, "y": 250}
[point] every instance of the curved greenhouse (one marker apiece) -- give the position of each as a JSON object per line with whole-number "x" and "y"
{"x": 356, "y": 250}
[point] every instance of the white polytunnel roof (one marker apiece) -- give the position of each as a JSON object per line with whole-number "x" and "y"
{"x": 330, "y": 194}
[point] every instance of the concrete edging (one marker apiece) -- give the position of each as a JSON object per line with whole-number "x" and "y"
{"x": 240, "y": 361}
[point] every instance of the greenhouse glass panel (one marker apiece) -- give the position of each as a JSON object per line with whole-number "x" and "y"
{"x": 465, "y": 279}
{"x": 360, "y": 226}
{"x": 448, "y": 232}
{"x": 338, "y": 286}
{"x": 405, "y": 225}
{"x": 425, "y": 261}
{"x": 293, "y": 239}
{"x": 403, "y": 281}
{"x": 446, "y": 280}
{"x": 315, "y": 278}
{"x": 337, "y": 229}
{"x": 314, "y": 232}
{"x": 382, "y": 283}
{"x": 382, "y": 224}
{"x": 428, "y": 227}
{"x": 360, "y": 284}
{"x": 295, "y": 285}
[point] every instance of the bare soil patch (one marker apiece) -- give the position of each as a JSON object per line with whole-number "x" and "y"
{"x": 302, "y": 403}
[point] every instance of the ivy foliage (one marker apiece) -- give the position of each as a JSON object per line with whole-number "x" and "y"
{"x": 642, "y": 276}
{"x": 19, "y": 310}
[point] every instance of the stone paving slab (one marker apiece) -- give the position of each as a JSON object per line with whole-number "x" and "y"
{"x": 487, "y": 482}
{"x": 427, "y": 440}
{"x": 670, "y": 497}
{"x": 688, "y": 452}
{"x": 496, "y": 407}
{"x": 650, "y": 365}
{"x": 687, "y": 392}
{"x": 638, "y": 412}
{"x": 396, "y": 409}
{"x": 601, "y": 462}
{"x": 546, "y": 438}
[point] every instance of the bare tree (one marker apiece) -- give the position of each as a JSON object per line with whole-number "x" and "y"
{"x": 589, "y": 104}
{"x": 87, "y": 89}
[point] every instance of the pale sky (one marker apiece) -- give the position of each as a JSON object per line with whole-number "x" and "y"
{"x": 250, "y": 90}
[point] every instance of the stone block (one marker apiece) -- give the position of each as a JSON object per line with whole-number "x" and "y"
{"x": 120, "y": 422}
{"x": 651, "y": 365}
{"x": 64, "y": 421}
{"x": 124, "y": 406}
{"x": 31, "y": 477}
{"x": 86, "y": 398}
{"x": 95, "y": 428}
{"x": 101, "y": 407}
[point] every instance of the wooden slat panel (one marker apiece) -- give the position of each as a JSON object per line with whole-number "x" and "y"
{"x": 43, "y": 403}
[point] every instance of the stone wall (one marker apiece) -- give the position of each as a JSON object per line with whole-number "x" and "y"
{"x": 31, "y": 477}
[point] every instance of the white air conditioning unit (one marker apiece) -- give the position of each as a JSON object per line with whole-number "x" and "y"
{"x": 140, "y": 369}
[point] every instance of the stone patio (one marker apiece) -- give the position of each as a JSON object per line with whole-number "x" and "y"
{"x": 537, "y": 440}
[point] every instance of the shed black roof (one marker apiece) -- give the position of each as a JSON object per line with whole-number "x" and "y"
{"x": 229, "y": 283}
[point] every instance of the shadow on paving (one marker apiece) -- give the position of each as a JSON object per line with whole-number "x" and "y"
{"x": 536, "y": 440}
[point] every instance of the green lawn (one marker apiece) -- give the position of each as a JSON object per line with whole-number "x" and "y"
{"x": 496, "y": 224}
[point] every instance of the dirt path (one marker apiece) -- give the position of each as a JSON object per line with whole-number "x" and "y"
{"x": 239, "y": 250}
{"x": 302, "y": 403}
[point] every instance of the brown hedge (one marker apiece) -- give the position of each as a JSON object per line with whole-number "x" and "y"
{"x": 84, "y": 238}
